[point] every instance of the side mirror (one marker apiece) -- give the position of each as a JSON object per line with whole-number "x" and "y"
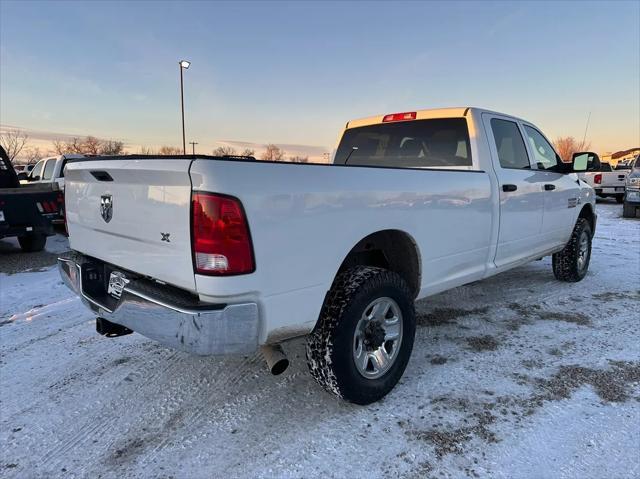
{"x": 585, "y": 161}
{"x": 23, "y": 176}
{"x": 33, "y": 178}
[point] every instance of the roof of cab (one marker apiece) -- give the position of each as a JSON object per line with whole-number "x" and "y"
{"x": 452, "y": 112}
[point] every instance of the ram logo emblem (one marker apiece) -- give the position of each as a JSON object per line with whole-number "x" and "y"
{"x": 165, "y": 237}
{"x": 106, "y": 207}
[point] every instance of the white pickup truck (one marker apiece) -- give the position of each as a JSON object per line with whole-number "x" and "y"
{"x": 606, "y": 181}
{"x": 51, "y": 170}
{"x": 215, "y": 255}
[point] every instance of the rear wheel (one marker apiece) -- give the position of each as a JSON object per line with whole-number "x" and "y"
{"x": 364, "y": 337}
{"x": 32, "y": 242}
{"x": 571, "y": 264}
{"x": 628, "y": 210}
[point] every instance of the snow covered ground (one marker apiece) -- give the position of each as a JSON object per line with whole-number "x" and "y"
{"x": 517, "y": 376}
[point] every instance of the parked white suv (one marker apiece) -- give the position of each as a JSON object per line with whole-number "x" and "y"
{"x": 218, "y": 255}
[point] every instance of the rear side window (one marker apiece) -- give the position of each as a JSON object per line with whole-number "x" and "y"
{"x": 48, "y": 169}
{"x": 605, "y": 167}
{"x": 49, "y": 166}
{"x": 511, "y": 150}
{"x": 442, "y": 142}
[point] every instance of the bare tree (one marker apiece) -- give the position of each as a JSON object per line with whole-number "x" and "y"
{"x": 91, "y": 145}
{"x": 224, "y": 150}
{"x": 33, "y": 155}
{"x": 169, "y": 150}
{"x": 299, "y": 159}
{"x": 74, "y": 145}
{"x": 248, "y": 152}
{"x": 13, "y": 141}
{"x": 272, "y": 153}
{"x": 60, "y": 147}
{"x": 112, "y": 148}
{"x": 144, "y": 150}
{"x": 567, "y": 146}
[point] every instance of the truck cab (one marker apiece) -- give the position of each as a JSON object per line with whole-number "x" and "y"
{"x": 51, "y": 169}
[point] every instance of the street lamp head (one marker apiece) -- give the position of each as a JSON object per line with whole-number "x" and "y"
{"x": 185, "y": 64}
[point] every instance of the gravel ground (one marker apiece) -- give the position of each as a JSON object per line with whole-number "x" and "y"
{"x": 13, "y": 260}
{"x": 518, "y": 376}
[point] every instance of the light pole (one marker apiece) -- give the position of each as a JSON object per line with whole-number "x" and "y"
{"x": 184, "y": 65}
{"x": 193, "y": 147}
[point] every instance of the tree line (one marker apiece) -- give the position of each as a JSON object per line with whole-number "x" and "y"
{"x": 15, "y": 143}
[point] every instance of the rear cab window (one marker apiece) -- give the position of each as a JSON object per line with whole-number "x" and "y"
{"x": 429, "y": 143}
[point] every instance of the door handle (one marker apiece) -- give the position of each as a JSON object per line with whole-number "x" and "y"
{"x": 549, "y": 187}
{"x": 507, "y": 188}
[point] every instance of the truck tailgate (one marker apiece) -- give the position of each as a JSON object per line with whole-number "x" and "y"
{"x": 133, "y": 213}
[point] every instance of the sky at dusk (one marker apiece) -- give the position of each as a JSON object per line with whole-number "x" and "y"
{"x": 294, "y": 73}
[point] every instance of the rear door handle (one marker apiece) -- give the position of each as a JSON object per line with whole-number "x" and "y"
{"x": 549, "y": 187}
{"x": 508, "y": 188}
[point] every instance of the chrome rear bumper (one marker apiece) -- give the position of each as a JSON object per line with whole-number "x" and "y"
{"x": 166, "y": 315}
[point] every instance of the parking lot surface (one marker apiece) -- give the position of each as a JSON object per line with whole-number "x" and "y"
{"x": 515, "y": 376}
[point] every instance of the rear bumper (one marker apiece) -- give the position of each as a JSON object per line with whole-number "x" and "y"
{"x": 163, "y": 314}
{"x": 610, "y": 190}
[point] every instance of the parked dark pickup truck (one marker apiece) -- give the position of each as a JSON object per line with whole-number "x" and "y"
{"x": 30, "y": 212}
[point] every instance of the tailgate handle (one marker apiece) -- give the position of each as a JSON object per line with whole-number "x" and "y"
{"x": 101, "y": 176}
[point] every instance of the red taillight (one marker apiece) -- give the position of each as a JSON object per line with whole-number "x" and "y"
{"x": 220, "y": 235}
{"x": 410, "y": 115}
{"x": 597, "y": 179}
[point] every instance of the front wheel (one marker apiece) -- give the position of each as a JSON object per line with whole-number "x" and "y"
{"x": 364, "y": 336}
{"x": 32, "y": 242}
{"x": 571, "y": 264}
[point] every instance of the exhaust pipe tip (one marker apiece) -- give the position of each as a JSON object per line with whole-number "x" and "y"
{"x": 277, "y": 361}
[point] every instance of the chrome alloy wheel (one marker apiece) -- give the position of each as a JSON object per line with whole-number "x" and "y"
{"x": 377, "y": 338}
{"x": 583, "y": 250}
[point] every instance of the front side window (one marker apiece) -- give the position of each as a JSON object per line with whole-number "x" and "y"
{"x": 37, "y": 170}
{"x": 544, "y": 155}
{"x": 442, "y": 142}
{"x": 48, "y": 169}
{"x": 509, "y": 144}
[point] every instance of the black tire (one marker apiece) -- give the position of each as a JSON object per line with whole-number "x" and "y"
{"x": 628, "y": 210}
{"x": 571, "y": 264}
{"x": 32, "y": 242}
{"x": 330, "y": 347}
{"x": 619, "y": 198}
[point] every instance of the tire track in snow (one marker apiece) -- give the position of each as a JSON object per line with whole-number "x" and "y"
{"x": 146, "y": 372}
